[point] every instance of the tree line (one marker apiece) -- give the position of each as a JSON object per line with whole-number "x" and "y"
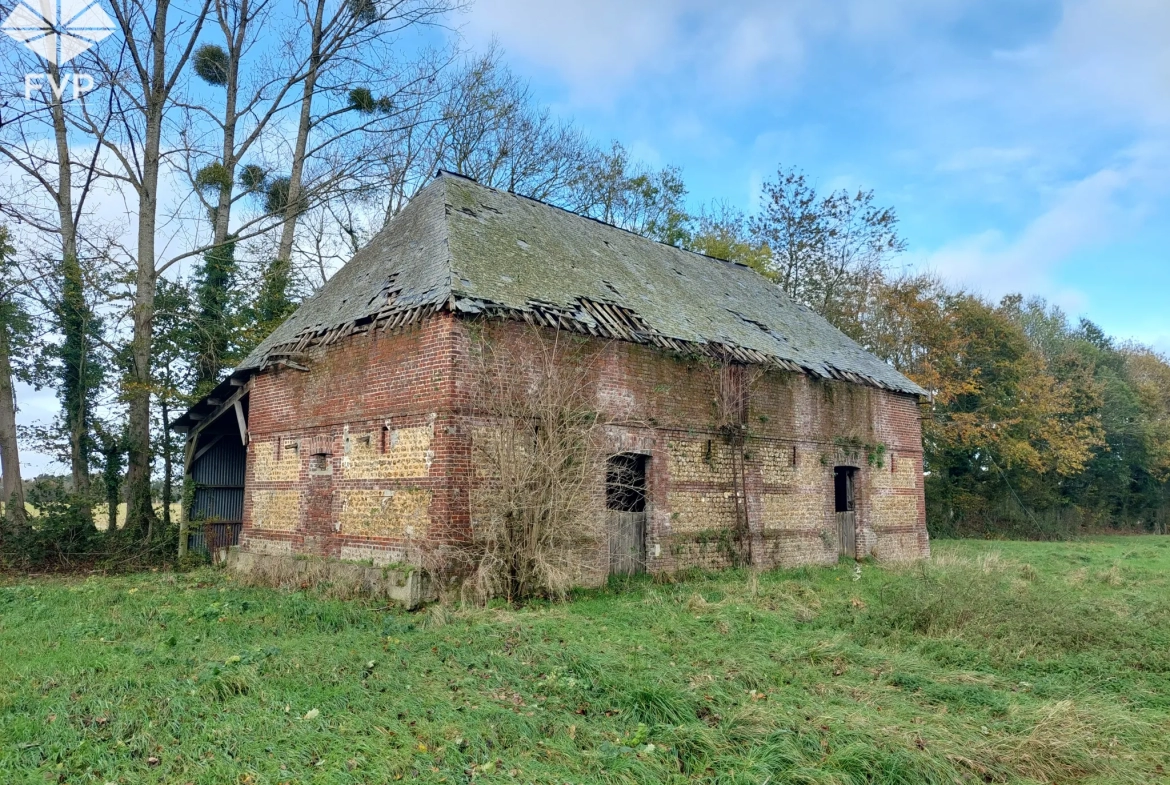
{"x": 232, "y": 154}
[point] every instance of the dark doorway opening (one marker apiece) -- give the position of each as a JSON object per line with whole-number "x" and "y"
{"x": 625, "y": 503}
{"x": 845, "y": 504}
{"x": 843, "y": 477}
{"x": 625, "y": 483}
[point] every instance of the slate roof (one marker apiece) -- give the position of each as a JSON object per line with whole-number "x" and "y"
{"x": 475, "y": 250}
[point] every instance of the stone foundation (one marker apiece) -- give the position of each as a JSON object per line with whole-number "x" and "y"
{"x": 407, "y": 586}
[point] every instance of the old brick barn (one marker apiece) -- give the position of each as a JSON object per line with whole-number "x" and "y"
{"x": 753, "y": 429}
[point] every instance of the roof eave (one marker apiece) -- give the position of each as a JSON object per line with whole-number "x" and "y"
{"x": 199, "y": 410}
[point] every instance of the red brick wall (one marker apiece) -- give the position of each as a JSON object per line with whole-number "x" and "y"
{"x": 368, "y": 401}
{"x": 415, "y": 384}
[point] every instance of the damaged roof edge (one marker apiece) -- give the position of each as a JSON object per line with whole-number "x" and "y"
{"x": 460, "y": 246}
{"x": 615, "y": 323}
{"x": 204, "y": 406}
{"x": 611, "y": 321}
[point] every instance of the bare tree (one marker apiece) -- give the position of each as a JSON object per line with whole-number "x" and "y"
{"x": 829, "y": 251}
{"x": 622, "y": 192}
{"x": 51, "y": 191}
{"x": 239, "y": 22}
{"x": 538, "y": 445}
{"x": 477, "y": 119}
{"x": 486, "y": 125}
{"x": 492, "y": 130}
{"x": 790, "y": 223}
{"x": 336, "y": 37}
{"x": 859, "y": 241}
{"x": 157, "y": 46}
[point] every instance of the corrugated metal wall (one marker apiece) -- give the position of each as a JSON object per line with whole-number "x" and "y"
{"x": 222, "y": 465}
{"x": 223, "y": 535}
{"x": 218, "y": 504}
{"x": 219, "y": 482}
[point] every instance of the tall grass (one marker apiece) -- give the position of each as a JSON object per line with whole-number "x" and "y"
{"x": 1004, "y": 662}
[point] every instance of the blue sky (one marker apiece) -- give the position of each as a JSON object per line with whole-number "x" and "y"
{"x": 1024, "y": 143}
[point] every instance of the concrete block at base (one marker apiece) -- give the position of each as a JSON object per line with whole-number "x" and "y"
{"x": 406, "y": 585}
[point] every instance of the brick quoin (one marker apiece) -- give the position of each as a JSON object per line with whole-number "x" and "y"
{"x": 369, "y": 454}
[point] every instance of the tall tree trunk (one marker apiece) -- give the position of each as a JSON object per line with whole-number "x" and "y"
{"x": 74, "y": 317}
{"x": 168, "y": 470}
{"x": 75, "y": 323}
{"x": 222, "y": 253}
{"x": 139, "y": 512}
{"x": 147, "y": 85}
{"x": 11, "y": 490}
{"x": 274, "y": 300}
{"x": 214, "y": 328}
{"x": 236, "y": 41}
{"x": 140, "y": 515}
{"x": 304, "y": 125}
{"x": 112, "y": 500}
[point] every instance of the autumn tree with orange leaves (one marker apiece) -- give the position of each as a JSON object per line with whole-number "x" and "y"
{"x": 1030, "y": 419}
{"x": 1035, "y": 426}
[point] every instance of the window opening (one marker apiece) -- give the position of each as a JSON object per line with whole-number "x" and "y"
{"x": 319, "y": 463}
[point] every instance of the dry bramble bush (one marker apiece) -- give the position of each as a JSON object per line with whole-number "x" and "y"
{"x": 538, "y": 453}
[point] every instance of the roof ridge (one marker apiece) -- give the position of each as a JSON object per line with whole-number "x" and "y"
{"x": 444, "y": 220}
{"x": 440, "y": 173}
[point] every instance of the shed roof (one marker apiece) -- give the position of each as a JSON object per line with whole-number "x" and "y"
{"x": 472, "y": 249}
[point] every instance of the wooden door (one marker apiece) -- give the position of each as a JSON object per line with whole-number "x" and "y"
{"x": 845, "y": 502}
{"x": 627, "y": 542}
{"x": 847, "y": 533}
{"x": 625, "y": 515}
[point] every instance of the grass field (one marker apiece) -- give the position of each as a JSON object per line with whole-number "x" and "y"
{"x": 101, "y": 513}
{"x": 997, "y": 662}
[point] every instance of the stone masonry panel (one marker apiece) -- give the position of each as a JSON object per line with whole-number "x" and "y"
{"x": 275, "y": 510}
{"x": 268, "y": 467}
{"x": 389, "y": 452}
{"x": 385, "y": 513}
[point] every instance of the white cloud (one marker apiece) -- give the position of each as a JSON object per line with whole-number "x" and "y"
{"x": 1115, "y": 53}
{"x": 1081, "y": 216}
{"x": 600, "y": 46}
{"x": 602, "y": 49}
{"x": 979, "y": 159}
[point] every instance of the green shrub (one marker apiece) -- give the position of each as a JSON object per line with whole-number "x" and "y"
{"x": 57, "y": 536}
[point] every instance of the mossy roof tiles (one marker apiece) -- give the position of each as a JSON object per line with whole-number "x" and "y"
{"x": 474, "y": 249}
